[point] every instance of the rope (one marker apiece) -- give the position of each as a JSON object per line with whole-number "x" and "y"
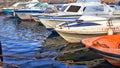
{"x": 71, "y": 51}
{"x": 41, "y": 55}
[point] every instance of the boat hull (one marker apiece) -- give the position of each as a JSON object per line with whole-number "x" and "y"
{"x": 26, "y": 14}
{"x": 74, "y": 32}
{"x": 76, "y": 38}
{"x": 75, "y": 35}
{"x": 106, "y": 46}
{"x": 114, "y": 59}
{"x": 35, "y": 18}
{"x": 50, "y": 23}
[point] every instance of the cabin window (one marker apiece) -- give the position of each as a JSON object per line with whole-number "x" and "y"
{"x": 42, "y": 5}
{"x": 63, "y": 8}
{"x": 73, "y": 8}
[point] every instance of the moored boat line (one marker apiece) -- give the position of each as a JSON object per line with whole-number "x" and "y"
{"x": 72, "y": 12}
{"x": 35, "y": 8}
{"x": 75, "y": 27}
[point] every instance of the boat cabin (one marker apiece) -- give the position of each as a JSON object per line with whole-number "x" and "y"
{"x": 81, "y": 7}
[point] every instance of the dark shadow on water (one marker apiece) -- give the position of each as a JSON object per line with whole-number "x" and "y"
{"x": 3, "y": 13}
{"x": 105, "y": 65}
{"x": 53, "y": 33}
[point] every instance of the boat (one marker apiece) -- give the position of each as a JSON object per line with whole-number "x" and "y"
{"x": 106, "y": 46}
{"x": 88, "y": 26}
{"x": 25, "y": 14}
{"x": 69, "y": 12}
{"x": 18, "y": 5}
{"x": 58, "y": 1}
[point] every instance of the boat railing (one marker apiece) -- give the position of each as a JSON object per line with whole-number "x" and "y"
{"x": 66, "y": 24}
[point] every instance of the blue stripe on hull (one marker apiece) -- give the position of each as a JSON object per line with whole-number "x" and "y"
{"x": 60, "y": 18}
{"x": 29, "y": 11}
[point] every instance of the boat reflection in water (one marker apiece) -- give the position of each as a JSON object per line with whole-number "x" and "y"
{"x": 22, "y": 45}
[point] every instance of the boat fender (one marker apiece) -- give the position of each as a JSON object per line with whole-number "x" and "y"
{"x": 110, "y": 31}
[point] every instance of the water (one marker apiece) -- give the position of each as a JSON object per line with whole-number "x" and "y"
{"x": 21, "y": 45}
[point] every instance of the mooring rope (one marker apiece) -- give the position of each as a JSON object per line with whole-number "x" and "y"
{"x": 42, "y": 55}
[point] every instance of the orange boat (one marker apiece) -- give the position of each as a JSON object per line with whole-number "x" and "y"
{"x": 107, "y": 46}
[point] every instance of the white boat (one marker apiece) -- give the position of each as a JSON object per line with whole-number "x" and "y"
{"x": 88, "y": 26}
{"x": 18, "y": 5}
{"x": 72, "y": 12}
{"x": 25, "y": 14}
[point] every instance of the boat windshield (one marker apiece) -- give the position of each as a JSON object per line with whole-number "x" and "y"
{"x": 73, "y": 8}
{"x": 42, "y": 5}
{"x": 63, "y": 8}
{"x": 93, "y": 9}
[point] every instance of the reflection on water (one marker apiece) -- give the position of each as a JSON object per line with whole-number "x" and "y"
{"x": 21, "y": 41}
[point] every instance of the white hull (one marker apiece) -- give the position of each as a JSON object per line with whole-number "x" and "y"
{"x": 25, "y": 16}
{"x": 74, "y": 32}
{"x": 50, "y": 23}
{"x": 35, "y": 19}
{"x": 76, "y": 38}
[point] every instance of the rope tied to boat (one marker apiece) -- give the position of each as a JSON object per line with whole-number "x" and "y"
{"x": 110, "y": 30}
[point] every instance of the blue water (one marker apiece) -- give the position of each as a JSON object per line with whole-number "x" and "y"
{"x": 25, "y": 43}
